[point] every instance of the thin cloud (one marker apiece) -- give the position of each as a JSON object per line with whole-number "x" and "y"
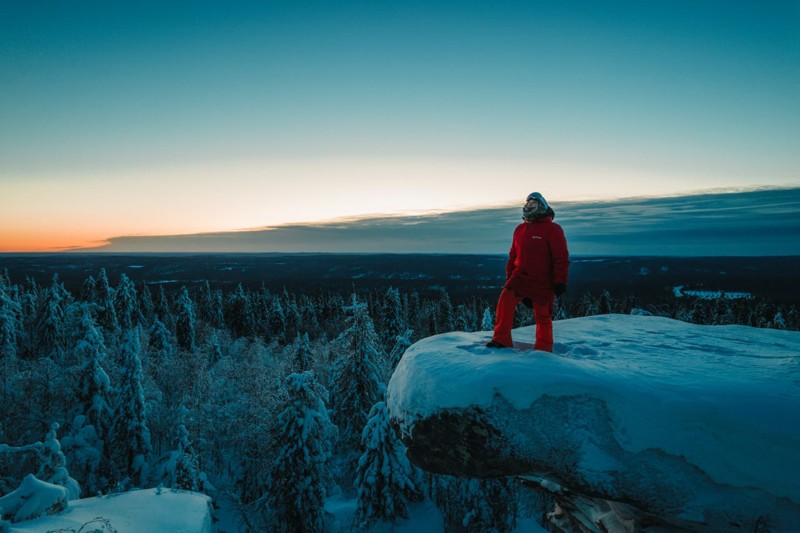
{"x": 752, "y": 223}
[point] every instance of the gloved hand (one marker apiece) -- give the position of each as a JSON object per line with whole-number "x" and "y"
{"x": 560, "y": 288}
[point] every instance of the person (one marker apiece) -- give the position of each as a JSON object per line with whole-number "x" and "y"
{"x": 536, "y": 272}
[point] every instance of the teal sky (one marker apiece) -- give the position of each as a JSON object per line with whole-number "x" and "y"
{"x": 180, "y": 117}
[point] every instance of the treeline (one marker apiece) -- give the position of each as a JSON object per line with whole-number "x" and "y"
{"x": 272, "y": 398}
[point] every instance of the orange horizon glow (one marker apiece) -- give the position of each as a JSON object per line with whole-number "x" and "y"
{"x": 43, "y": 242}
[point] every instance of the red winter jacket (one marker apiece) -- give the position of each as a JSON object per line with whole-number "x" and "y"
{"x": 538, "y": 260}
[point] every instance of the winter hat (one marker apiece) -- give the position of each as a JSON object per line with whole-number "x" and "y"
{"x": 543, "y": 209}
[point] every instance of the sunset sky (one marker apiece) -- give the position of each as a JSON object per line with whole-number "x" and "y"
{"x": 158, "y": 118}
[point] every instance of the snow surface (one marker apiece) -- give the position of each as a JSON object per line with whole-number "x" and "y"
{"x": 186, "y": 512}
{"x": 138, "y": 511}
{"x": 653, "y": 372}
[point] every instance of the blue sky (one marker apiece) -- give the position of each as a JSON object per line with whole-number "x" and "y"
{"x": 155, "y": 118}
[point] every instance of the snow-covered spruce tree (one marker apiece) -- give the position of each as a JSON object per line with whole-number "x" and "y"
{"x": 303, "y": 435}
{"x": 130, "y": 436}
{"x": 88, "y": 288}
{"x": 401, "y": 344}
{"x": 464, "y": 319}
{"x": 163, "y": 309}
{"x": 91, "y": 418}
{"x": 445, "y": 321}
{"x": 159, "y": 344}
{"x": 104, "y": 298}
{"x": 302, "y": 356}
{"x": 414, "y": 316}
{"x": 238, "y": 313}
{"x": 147, "y": 307}
{"x": 187, "y": 474}
{"x": 29, "y": 303}
{"x": 53, "y": 467}
{"x": 587, "y": 306}
{"x": 391, "y": 322}
{"x": 487, "y": 324}
{"x": 185, "y": 321}
{"x": 126, "y": 303}
{"x": 309, "y": 320}
{"x": 356, "y": 383}
{"x": 604, "y": 306}
{"x": 386, "y": 482}
{"x": 277, "y": 320}
{"x": 291, "y": 315}
{"x": 180, "y": 468}
{"x": 490, "y": 504}
{"x": 10, "y": 326}
{"x": 209, "y": 306}
{"x": 475, "y": 504}
{"x": 50, "y": 326}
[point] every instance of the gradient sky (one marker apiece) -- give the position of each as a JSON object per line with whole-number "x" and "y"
{"x": 149, "y": 118}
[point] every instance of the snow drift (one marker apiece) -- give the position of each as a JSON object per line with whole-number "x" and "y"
{"x": 693, "y": 426}
{"x": 136, "y": 511}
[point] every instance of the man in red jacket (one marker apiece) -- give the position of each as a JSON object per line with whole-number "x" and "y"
{"x": 536, "y": 271}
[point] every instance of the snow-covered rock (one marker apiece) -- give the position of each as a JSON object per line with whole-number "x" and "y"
{"x": 694, "y": 425}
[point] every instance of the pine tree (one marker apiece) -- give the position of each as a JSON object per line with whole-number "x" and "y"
{"x": 386, "y": 482}
{"x": 490, "y": 505}
{"x": 356, "y": 384}
{"x": 487, "y": 324}
{"x": 10, "y": 325}
{"x": 28, "y": 302}
{"x": 291, "y": 317}
{"x": 238, "y": 314}
{"x": 182, "y": 468}
{"x": 185, "y": 321}
{"x": 402, "y": 342}
{"x": 104, "y": 298}
{"x": 210, "y": 306}
{"x": 126, "y": 303}
{"x": 604, "y": 306}
{"x": 416, "y": 321}
{"x": 303, "y": 435}
{"x": 53, "y": 467}
{"x": 309, "y": 318}
{"x": 160, "y": 343}
{"x": 277, "y": 320}
{"x": 50, "y": 327}
{"x": 94, "y": 386}
{"x": 215, "y": 350}
{"x": 130, "y": 435}
{"x": 88, "y": 289}
{"x": 444, "y": 314}
{"x": 303, "y": 356}
{"x": 475, "y": 504}
{"x": 187, "y": 465}
{"x": 391, "y": 322}
{"x": 464, "y": 319}
{"x": 147, "y": 306}
{"x": 163, "y": 310}
{"x": 588, "y": 305}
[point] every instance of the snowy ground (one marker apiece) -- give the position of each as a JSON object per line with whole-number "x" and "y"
{"x": 148, "y": 511}
{"x": 139, "y": 511}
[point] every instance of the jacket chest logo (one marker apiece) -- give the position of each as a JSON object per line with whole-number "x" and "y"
{"x": 536, "y": 237}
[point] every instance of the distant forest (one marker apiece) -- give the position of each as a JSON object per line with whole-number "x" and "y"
{"x": 272, "y": 396}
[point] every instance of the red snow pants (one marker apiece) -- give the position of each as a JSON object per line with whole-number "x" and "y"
{"x": 542, "y": 315}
